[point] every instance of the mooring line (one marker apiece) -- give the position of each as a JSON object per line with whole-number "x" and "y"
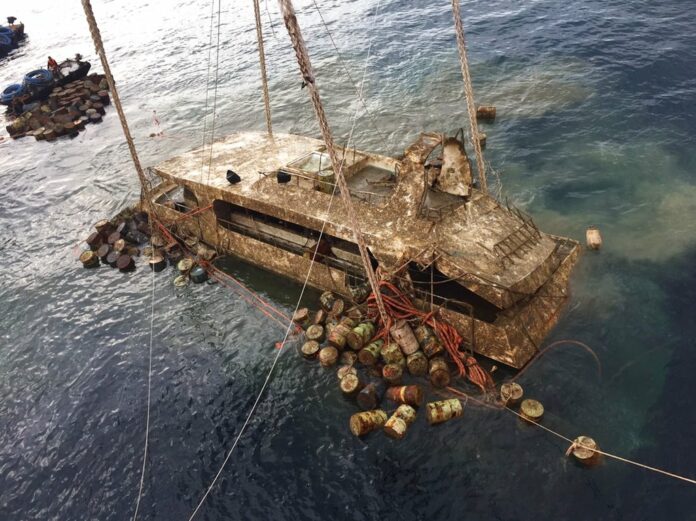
{"x": 467, "y": 396}
{"x": 149, "y": 395}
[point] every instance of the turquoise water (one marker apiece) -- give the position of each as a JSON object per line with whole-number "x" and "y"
{"x": 595, "y": 127}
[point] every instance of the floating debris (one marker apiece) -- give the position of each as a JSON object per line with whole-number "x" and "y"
{"x": 593, "y": 238}
{"x": 486, "y": 113}
{"x": 584, "y": 449}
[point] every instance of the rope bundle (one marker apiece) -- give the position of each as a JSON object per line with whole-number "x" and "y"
{"x": 398, "y": 307}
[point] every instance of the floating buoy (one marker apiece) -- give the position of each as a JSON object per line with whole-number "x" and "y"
{"x": 198, "y": 274}
{"x": 531, "y": 410}
{"x": 403, "y": 334}
{"x": 310, "y": 349}
{"x": 511, "y": 393}
{"x": 584, "y": 450}
{"x": 392, "y": 373}
{"x": 417, "y": 363}
{"x": 125, "y": 263}
{"x": 408, "y": 394}
{"x": 482, "y": 139}
{"x": 315, "y": 332}
{"x": 370, "y": 396}
{"x": 369, "y": 355}
{"x": 439, "y": 372}
{"x": 362, "y": 423}
{"x": 396, "y": 426}
{"x": 485, "y": 112}
{"x": 445, "y": 410}
{"x": 157, "y": 263}
{"x": 89, "y": 259}
{"x": 593, "y": 238}
{"x": 328, "y": 356}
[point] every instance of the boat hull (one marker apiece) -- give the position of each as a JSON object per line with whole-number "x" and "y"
{"x": 513, "y": 338}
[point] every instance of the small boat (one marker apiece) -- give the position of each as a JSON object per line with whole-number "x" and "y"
{"x": 10, "y": 35}
{"x": 38, "y": 84}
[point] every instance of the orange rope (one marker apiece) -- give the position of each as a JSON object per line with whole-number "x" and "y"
{"x": 398, "y": 306}
{"x": 193, "y": 212}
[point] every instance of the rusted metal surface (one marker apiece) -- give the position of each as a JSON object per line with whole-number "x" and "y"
{"x": 489, "y": 248}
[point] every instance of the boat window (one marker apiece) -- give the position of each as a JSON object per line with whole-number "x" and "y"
{"x": 289, "y": 236}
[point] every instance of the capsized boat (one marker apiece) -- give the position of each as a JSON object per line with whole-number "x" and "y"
{"x": 484, "y": 265}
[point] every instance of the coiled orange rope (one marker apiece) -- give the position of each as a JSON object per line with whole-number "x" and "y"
{"x": 398, "y": 306}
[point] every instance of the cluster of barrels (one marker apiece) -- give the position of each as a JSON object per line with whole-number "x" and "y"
{"x": 371, "y": 369}
{"x": 120, "y": 241}
{"x": 66, "y": 111}
{"x": 115, "y": 243}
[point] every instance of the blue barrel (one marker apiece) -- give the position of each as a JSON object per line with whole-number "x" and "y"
{"x": 10, "y": 92}
{"x": 38, "y": 78}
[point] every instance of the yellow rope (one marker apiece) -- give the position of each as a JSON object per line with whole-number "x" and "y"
{"x": 577, "y": 444}
{"x": 469, "y": 95}
{"x": 308, "y": 78}
{"x": 262, "y": 60}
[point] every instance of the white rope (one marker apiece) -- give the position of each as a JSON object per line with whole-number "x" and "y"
{"x": 149, "y": 394}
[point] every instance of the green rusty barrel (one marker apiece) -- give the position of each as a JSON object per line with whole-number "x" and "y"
{"x": 362, "y": 423}
{"x": 417, "y": 364}
{"x": 391, "y": 354}
{"x": 395, "y": 427}
{"x": 360, "y": 335}
{"x": 369, "y": 355}
{"x": 439, "y": 372}
{"x": 445, "y": 410}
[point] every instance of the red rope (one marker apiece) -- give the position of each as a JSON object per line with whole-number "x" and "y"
{"x": 399, "y": 307}
{"x": 193, "y": 212}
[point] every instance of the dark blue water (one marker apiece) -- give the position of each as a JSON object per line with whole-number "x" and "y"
{"x": 596, "y": 104}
